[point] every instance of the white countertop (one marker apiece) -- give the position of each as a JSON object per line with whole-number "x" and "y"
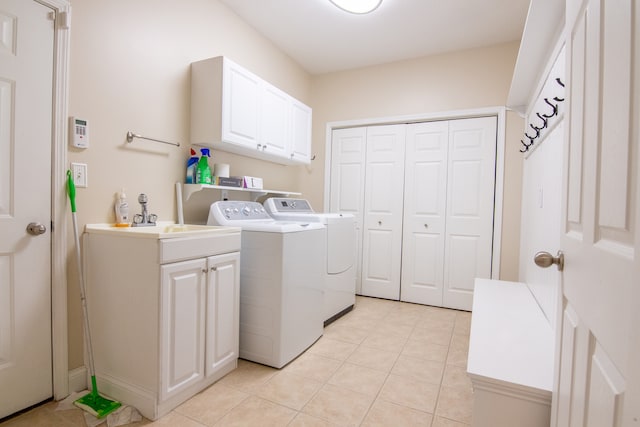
{"x": 162, "y": 230}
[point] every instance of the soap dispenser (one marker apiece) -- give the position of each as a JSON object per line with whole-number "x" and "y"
{"x": 122, "y": 210}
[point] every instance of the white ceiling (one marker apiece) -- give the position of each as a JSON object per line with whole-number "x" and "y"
{"x": 323, "y": 38}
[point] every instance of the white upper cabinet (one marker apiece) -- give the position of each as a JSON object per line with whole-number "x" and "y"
{"x": 240, "y": 100}
{"x": 234, "y": 110}
{"x": 300, "y": 132}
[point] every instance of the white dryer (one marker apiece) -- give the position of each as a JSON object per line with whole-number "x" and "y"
{"x": 281, "y": 282}
{"x": 340, "y": 236}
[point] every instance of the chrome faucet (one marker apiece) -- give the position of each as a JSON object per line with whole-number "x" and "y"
{"x": 144, "y": 219}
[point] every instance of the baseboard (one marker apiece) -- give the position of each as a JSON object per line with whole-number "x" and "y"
{"x": 78, "y": 379}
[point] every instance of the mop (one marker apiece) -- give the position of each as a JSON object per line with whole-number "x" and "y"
{"x": 91, "y": 402}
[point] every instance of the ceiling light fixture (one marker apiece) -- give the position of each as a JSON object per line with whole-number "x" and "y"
{"x": 359, "y": 7}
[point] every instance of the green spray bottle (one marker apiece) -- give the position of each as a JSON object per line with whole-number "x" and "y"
{"x": 203, "y": 173}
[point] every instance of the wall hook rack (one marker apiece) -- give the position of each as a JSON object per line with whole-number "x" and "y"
{"x": 131, "y": 135}
{"x": 545, "y": 120}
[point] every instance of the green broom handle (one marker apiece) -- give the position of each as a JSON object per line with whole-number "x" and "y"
{"x": 72, "y": 190}
{"x": 87, "y": 333}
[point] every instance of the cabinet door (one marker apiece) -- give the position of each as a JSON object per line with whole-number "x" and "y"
{"x": 470, "y": 203}
{"x": 382, "y": 226}
{"x": 425, "y": 199}
{"x": 346, "y": 194}
{"x": 182, "y": 325}
{"x": 274, "y": 122}
{"x": 300, "y": 137}
{"x": 240, "y": 105}
{"x": 223, "y": 307}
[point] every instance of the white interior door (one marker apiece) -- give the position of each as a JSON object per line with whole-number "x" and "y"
{"x": 382, "y": 221}
{"x": 348, "y": 154}
{"x": 599, "y": 375}
{"x": 26, "y": 76}
{"x": 424, "y": 220}
{"x": 470, "y": 204}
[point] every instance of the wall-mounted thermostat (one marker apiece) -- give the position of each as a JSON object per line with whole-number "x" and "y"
{"x": 79, "y": 133}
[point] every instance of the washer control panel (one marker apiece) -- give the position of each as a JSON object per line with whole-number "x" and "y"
{"x": 283, "y": 204}
{"x": 233, "y": 210}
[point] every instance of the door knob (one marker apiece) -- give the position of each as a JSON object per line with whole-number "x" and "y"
{"x": 379, "y": 222}
{"x": 36, "y": 228}
{"x": 545, "y": 259}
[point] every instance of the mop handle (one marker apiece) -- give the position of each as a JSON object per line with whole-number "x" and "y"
{"x": 87, "y": 334}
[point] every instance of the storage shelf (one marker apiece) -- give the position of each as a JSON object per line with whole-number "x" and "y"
{"x": 189, "y": 189}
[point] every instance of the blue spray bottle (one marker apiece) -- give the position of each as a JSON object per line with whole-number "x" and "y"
{"x": 192, "y": 164}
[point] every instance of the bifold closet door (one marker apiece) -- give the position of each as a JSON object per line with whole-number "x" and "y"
{"x": 448, "y": 210}
{"x": 470, "y": 207}
{"x": 348, "y": 148}
{"x": 382, "y": 220}
{"x": 425, "y": 186}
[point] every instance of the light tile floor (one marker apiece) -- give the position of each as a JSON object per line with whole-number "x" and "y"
{"x": 386, "y": 363}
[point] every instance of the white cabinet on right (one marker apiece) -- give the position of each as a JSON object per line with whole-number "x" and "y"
{"x": 234, "y": 110}
{"x": 425, "y": 205}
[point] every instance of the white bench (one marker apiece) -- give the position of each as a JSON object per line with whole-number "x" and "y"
{"x": 511, "y": 357}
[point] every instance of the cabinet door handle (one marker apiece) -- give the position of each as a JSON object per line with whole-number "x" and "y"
{"x": 259, "y": 146}
{"x": 204, "y": 270}
{"x": 426, "y": 226}
{"x": 379, "y": 222}
{"x": 214, "y": 268}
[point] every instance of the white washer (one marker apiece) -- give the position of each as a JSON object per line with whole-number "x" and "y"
{"x": 340, "y": 235}
{"x": 281, "y": 282}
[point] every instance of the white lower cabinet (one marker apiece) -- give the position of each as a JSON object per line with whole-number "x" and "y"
{"x": 162, "y": 330}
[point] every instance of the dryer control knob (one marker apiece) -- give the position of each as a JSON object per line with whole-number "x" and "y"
{"x": 246, "y": 210}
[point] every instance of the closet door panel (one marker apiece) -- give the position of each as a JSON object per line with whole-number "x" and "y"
{"x": 470, "y": 203}
{"x": 425, "y": 192}
{"x": 346, "y": 194}
{"x": 382, "y": 225}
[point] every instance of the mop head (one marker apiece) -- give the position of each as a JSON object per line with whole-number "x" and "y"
{"x": 97, "y": 405}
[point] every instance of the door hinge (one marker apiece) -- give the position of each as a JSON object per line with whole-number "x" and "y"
{"x": 63, "y": 20}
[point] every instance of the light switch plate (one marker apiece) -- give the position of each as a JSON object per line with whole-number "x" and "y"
{"x": 79, "y": 171}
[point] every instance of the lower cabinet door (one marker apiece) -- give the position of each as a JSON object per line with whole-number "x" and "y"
{"x": 182, "y": 329}
{"x": 223, "y": 309}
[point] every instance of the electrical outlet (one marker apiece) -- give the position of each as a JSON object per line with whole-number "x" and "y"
{"x": 79, "y": 171}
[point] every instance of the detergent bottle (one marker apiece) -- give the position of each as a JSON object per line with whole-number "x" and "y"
{"x": 122, "y": 210}
{"x": 203, "y": 171}
{"x": 192, "y": 165}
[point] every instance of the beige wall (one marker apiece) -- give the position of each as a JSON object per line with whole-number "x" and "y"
{"x": 456, "y": 81}
{"x": 129, "y": 70}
